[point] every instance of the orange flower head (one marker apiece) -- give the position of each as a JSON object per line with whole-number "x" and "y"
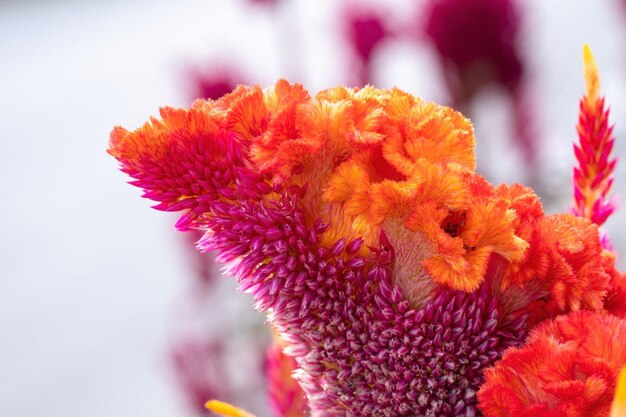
{"x": 412, "y": 176}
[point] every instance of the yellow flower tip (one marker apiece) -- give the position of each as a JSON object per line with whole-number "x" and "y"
{"x": 224, "y": 409}
{"x": 592, "y": 79}
{"x": 618, "y": 409}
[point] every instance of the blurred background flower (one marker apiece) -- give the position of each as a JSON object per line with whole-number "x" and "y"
{"x": 479, "y": 47}
{"x": 103, "y": 310}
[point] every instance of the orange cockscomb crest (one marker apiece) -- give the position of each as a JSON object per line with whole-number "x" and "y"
{"x": 421, "y": 177}
{"x": 565, "y": 268}
{"x": 579, "y": 270}
{"x": 375, "y": 161}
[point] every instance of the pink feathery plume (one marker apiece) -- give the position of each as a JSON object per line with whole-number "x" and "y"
{"x": 593, "y": 177}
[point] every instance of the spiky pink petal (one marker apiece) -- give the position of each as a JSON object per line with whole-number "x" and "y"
{"x": 593, "y": 177}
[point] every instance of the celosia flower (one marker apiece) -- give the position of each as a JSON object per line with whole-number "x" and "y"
{"x": 502, "y": 403}
{"x": 567, "y": 368}
{"x": 355, "y": 218}
{"x": 595, "y": 172}
{"x": 594, "y": 175}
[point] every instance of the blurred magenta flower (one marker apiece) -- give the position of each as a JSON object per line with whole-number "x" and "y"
{"x": 478, "y": 46}
{"x": 199, "y": 368}
{"x": 364, "y": 30}
{"x": 477, "y": 43}
{"x": 264, "y": 2}
{"x": 213, "y": 82}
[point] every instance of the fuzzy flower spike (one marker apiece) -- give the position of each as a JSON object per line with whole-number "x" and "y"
{"x": 393, "y": 272}
{"x": 594, "y": 175}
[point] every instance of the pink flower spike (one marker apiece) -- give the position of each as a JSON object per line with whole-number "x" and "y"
{"x": 594, "y": 175}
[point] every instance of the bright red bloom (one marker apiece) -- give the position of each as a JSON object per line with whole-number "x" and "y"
{"x": 579, "y": 269}
{"x": 567, "y": 368}
{"x": 615, "y": 302}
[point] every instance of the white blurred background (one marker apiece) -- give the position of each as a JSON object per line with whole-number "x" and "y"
{"x": 91, "y": 279}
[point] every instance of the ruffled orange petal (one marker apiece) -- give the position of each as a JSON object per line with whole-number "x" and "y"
{"x": 579, "y": 269}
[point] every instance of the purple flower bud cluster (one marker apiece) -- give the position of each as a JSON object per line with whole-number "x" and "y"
{"x": 361, "y": 349}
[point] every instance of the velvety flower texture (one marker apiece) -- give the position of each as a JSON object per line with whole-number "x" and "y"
{"x": 568, "y": 368}
{"x": 355, "y": 218}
